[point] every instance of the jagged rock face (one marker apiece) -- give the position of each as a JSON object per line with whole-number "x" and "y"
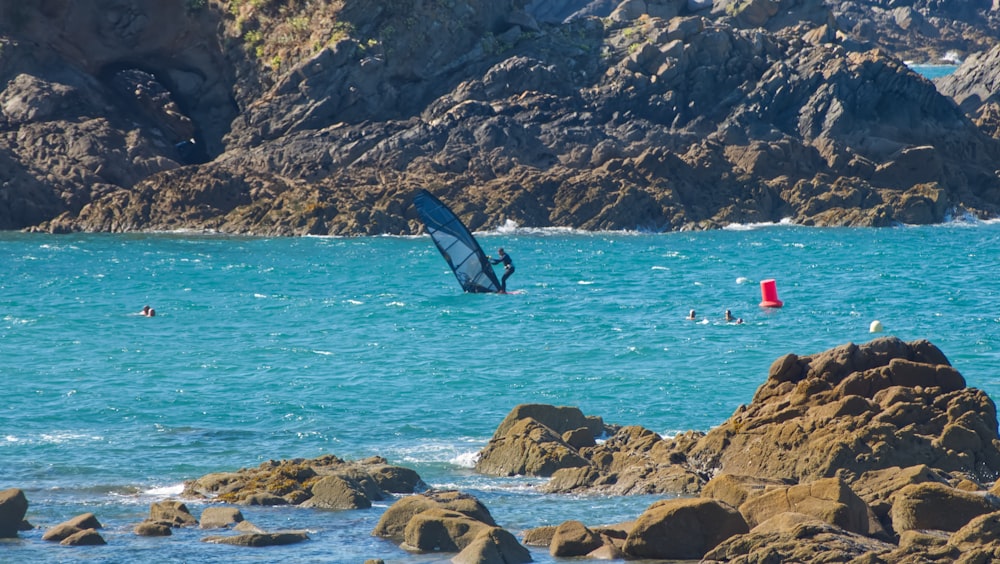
{"x": 976, "y": 82}
{"x": 643, "y": 120}
{"x": 855, "y": 409}
{"x": 97, "y": 38}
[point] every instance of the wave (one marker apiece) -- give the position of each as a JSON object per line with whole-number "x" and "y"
{"x": 164, "y": 491}
{"x": 787, "y": 221}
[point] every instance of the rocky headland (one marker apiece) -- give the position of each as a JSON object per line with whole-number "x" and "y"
{"x": 325, "y": 117}
{"x": 872, "y": 453}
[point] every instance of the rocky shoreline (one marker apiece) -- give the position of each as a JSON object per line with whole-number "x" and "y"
{"x": 324, "y": 118}
{"x": 864, "y": 453}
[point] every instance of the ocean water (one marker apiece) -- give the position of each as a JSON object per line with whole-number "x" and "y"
{"x": 933, "y": 71}
{"x": 296, "y": 347}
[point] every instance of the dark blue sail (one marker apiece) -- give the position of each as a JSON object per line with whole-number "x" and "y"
{"x": 457, "y": 245}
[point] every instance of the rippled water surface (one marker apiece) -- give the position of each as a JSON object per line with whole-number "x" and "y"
{"x": 280, "y": 348}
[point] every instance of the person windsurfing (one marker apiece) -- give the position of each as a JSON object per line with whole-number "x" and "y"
{"x": 508, "y": 267}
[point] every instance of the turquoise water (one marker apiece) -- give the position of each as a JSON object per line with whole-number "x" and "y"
{"x": 934, "y": 71}
{"x": 280, "y": 348}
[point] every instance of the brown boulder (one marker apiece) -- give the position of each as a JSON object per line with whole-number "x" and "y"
{"x": 539, "y": 536}
{"x": 174, "y": 512}
{"x": 573, "y": 538}
{"x": 734, "y": 490}
{"x": 806, "y": 541}
{"x": 559, "y": 419}
{"x": 830, "y": 501}
{"x": 493, "y": 546}
{"x": 980, "y": 531}
{"x": 392, "y": 524}
{"x": 528, "y": 448}
{"x": 279, "y": 538}
{"x": 13, "y": 506}
{"x": 937, "y": 506}
{"x": 441, "y": 530}
{"x": 395, "y": 479}
{"x": 338, "y": 492}
{"x": 876, "y": 487}
{"x": 579, "y": 438}
{"x": 86, "y": 537}
{"x": 71, "y": 527}
{"x": 220, "y": 517}
{"x": 682, "y": 529}
{"x": 153, "y": 529}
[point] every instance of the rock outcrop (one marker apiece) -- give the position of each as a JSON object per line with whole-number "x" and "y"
{"x": 877, "y": 452}
{"x": 13, "y": 506}
{"x": 450, "y": 521}
{"x": 854, "y": 409}
{"x": 326, "y": 118}
{"x": 76, "y": 525}
{"x": 326, "y": 482}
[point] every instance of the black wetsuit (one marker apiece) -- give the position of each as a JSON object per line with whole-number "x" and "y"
{"x": 508, "y": 269}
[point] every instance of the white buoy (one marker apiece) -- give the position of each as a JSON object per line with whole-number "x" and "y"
{"x": 875, "y": 327}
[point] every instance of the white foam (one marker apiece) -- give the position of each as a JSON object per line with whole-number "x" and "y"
{"x": 757, "y": 225}
{"x": 68, "y": 437}
{"x": 165, "y": 491}
{"x": 466, "y": 459}
{"x": 509, "y": 226}
{"x": 743, "y": 280}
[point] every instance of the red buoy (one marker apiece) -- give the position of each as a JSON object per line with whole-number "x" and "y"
{"x": 769, "y": 294}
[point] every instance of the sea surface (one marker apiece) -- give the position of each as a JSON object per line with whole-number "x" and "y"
{"x": 932, "y": 71}
{"x": 273, "y": 348}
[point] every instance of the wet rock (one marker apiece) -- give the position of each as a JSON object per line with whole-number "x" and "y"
{"x": 529, "y": 448}
{"x": 438, "y": 529}
{"x": 325, "y": 482}
{"x": 280, "y": 538}
{"x": 682, "y": 529}
{"x": 493, "y": 545}
{"x": 449, "y": 521}
{"x": 68, "y": 528}
{"x": 220, "y": 517}
{"x": 573, "y": 538}
{"x": 13, "y": 507}
{"x": 337, "y": 492}
{"x": 153, "y": 529}
{"x": 176, "y": 513}
{"x": 393, "y": 522}
{"x": 86, "y": 537}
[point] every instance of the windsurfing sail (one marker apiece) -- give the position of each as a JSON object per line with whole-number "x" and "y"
{"x": 463, "y": 253}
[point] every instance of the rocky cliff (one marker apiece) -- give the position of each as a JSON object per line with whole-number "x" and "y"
{"x": 324, "y": 117}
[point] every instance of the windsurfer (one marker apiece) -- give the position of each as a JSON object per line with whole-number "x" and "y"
{"x": 508, "y": 267}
